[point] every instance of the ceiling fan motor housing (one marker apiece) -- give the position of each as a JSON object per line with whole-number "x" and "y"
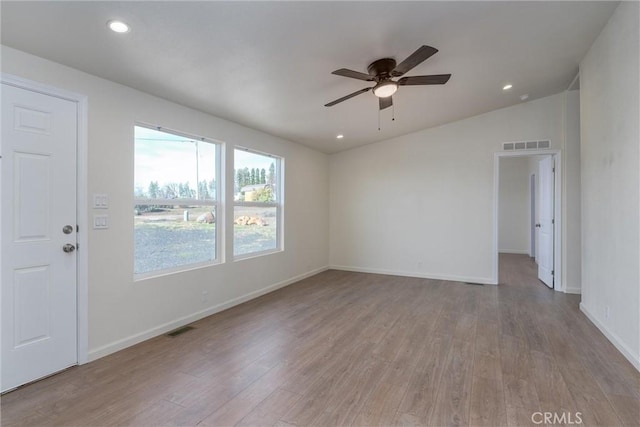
{"x": 381, "y": 69}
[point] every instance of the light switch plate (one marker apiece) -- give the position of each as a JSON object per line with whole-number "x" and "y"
{"x": 100, "y": 222}
{"x": 100, "y": 201}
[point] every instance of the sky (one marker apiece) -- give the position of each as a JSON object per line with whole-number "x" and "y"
{"x": 165, "y": 158}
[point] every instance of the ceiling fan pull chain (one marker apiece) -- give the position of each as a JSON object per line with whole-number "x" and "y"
{"x": 378, "y": 119}
{"x": 393, "y": 112}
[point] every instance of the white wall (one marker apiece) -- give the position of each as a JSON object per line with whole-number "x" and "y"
{"x": 610, "y": 133}
{"x": 514, "y": 216}
{"x": 422, "y": 204}
{"x": 571, "y": 189}
{"x": 121, "y": 311}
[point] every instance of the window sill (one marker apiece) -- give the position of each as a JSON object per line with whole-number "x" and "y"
{"x": 256, "y": 254}
{"x": 170, "y": 271}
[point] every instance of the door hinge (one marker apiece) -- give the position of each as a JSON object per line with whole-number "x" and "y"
{"x": 77, "y": 228}
{"x": 553, "y": 221}
{"x": 553, "y": 170}
{"x": 553, "y": 272}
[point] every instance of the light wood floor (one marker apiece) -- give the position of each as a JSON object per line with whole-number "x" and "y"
{"x": 345, "y": 348}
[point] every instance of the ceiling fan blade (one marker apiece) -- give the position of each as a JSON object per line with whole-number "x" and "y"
{"x": 353, "y": 74}
{"x": 344, "y": 98}
{"x": 436, "y": 79}
{"x": 385, "y": 102}
{"x": 417, "y": 57}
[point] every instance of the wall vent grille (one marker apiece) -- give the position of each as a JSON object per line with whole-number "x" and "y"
{"x": 526, "y": 145}
{"x": 180, "y": 331}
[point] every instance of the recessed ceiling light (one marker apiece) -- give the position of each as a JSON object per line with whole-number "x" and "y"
{"x": 507, "y": 87}
{"x": 340, "y": 136}
{"x": 524, "y": 97}
{"x": 118, "y": 26}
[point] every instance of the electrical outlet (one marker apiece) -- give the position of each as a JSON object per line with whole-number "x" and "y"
{"x": 606, "y": 312}
{"x": 205, "y": 296}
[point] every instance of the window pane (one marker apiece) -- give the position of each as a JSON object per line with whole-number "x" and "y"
{"x": 170, "y": 166}
{"x": 255, "y": 177}
{"x": 173, "y": 236}
{"x": 254, "y": 229}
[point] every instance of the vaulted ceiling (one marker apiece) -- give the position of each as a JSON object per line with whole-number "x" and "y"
{"x": 267, "y": 65}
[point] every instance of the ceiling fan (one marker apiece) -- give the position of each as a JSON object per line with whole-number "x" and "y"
{"x": 382, "y": 72}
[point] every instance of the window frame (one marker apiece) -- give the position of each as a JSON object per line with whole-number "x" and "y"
{"x": 216, "y": 203}
{"x": 278, "y": 204}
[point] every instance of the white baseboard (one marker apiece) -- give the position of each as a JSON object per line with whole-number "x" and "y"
{"x": 577, "y": 291}
{"x": 483, "y": 280}
{"x": 169, "y": 326}
{"x": 611, "y": 336}
{"x": 514, "y": 251}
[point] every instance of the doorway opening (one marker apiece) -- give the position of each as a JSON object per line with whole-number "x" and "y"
{"x": 527, "y": 211}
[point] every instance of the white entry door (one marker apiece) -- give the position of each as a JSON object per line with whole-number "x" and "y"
{"x": 38, "y": 225}
{"x": 546, "y": 221}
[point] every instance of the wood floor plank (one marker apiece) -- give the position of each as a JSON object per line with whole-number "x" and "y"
{"x": 352, "y": 394}
{"x": 271, "y": 409}
{"x": 488, "y": 401}
{"x": 452, "y": 403}
{"x": 551, "y": 389}
{"x": 382, "y": 406}
{"x": 423, "y": 384}
{"x": 487, "y": 407}
{"x": 157, "y": 415}
{"x": 345, "y": 348}
{"x": 240, "y": 405}
{"x": 627, "y": 409}
{"x": 521, "y": 397}
{"x": 590, "y": 400}
{"x": 329, "y": 384}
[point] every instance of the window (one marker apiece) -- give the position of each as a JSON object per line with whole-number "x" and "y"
{"x": 257, "y": 203}
{"x": 175, "y": 201}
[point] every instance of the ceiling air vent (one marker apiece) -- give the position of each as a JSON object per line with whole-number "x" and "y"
{"x": 544, "y": 144}
{"x": 526, "y": 145}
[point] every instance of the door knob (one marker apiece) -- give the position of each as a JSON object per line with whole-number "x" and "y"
{"x": 537, "y": 225}
{"x": 68, "y": 248}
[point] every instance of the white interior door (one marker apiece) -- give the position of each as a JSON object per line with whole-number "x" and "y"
{"x": 546, "y": 222}
{"x": 532, "y": 205}
{"x": 38, "y": 223}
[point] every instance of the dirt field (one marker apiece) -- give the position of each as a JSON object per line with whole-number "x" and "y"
{"x": 164, "y": 240}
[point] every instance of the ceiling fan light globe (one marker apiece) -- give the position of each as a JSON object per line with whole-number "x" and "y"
{"x": 385, "y": 89}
